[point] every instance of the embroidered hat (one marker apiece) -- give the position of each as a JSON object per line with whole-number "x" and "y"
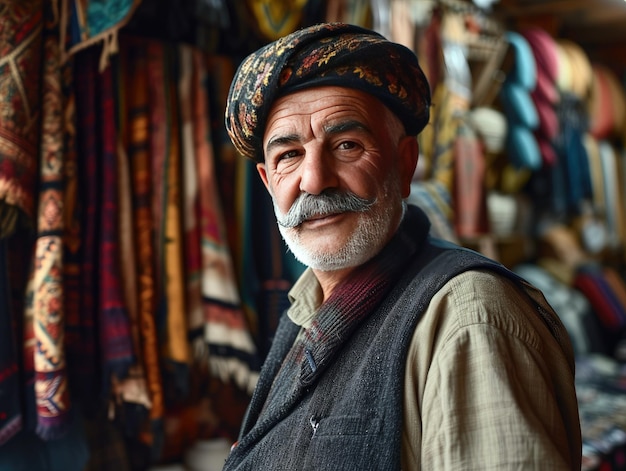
{"x": 334, "y": 54}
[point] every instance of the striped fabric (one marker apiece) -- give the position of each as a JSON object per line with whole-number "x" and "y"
{"x": 171, "y": 309}
{"x": 81, "y": 249}
{"x": 137, "y": 105}
{"x": 45, "y": 293}
{"x": 116, "y": 346}
{"x": 232, "y": 351}
{"x": 193, "y": 132}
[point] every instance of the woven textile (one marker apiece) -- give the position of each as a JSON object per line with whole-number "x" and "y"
{"x": 81, "y": 252}
{"x": 88, "y": 22}
{"x": 72, "y": 243}
{"x": 137, "y": 107}
{"x": 232, "y": 352}
{"x": 176, "y": 345}
{"x": 195, "y": 140}
{"x": 45, "y": 293}
{"x": 20, "y": 75}
{"x": 165, "y": 193}
{"x": 116, "y": 347}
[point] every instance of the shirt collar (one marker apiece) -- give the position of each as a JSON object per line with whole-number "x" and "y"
{"x": 305, "y": 297}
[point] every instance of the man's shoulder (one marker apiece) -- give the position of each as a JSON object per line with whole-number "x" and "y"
{"x": 486, "y": 298}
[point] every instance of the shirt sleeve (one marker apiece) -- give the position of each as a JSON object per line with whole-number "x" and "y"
{"x": 487, "y": 387}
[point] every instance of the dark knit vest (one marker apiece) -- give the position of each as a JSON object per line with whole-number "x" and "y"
{"x": 349, "y": 416}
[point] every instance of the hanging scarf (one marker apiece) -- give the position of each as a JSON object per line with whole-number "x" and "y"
{"x": 225, "y": 328}
{"x": 137, "y": 105}
{"x": 158, "y": 137}
{"x": 191, "y": 99}
{"x": 81, "y": 247}
{"x": 132, "y": 389}
{"x": 176, "y": 347}
{"x": 89, "y": 22}
{"x": 20, "y": 61}
{"x": 45, "y": 293}
{"x": 72, "y": 243}
{"x": 116, "y": 347}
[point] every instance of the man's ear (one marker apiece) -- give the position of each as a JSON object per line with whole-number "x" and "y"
{"x": 260, "y": 167}
{"x": 408, "y": 154}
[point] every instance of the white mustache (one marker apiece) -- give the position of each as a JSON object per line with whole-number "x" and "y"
{"x": 328, "y": 202}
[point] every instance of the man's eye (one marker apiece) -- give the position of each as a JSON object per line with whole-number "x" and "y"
{"x": 348, "y": 145}
{"x": 289, "y": 154}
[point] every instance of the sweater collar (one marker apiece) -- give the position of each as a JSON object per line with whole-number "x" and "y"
{"x": 357, "y": 297}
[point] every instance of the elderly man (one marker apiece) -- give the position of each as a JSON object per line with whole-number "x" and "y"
{"x": 399, "y": 351}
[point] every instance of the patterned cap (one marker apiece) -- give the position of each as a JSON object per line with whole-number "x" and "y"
{"x": 333, "y": 54}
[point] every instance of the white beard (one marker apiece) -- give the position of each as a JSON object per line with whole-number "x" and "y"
{"x": 372, "y": 232}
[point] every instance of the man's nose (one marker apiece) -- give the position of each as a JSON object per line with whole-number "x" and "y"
{"x": 318, "y": 172}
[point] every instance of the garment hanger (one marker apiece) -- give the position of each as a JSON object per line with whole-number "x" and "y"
{"x": 491, "y": 71}
{"x": 487, "y": 50}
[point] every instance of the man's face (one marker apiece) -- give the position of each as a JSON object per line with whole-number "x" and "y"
{"x": 340, "y": 159}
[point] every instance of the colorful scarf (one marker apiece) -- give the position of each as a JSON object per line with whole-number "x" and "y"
{"x": 45, "y": 292}
{"x": 72, "y": 244}
{"x": 175, "y": 344}
{"x": 88, "y": 22}
{"x": 194, "y": 139}
{"x": 135, "y": 65}
{"x": 221, "y": 334}
{"x": 81, "y": 247}
{"x": 347, "y": 307}
{"x": 116, "y": 348}
{"x": 128, "y": 271}
{"x": 20, "y": 69}
{"x": 226, "y": 330}
{"x": 166, "y": 186}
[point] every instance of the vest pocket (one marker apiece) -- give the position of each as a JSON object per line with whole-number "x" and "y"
{"x": 346, "y": 443}
{"x": 348, "y": 426}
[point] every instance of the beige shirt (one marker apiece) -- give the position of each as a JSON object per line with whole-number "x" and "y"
{"x": 486, "y": 386}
